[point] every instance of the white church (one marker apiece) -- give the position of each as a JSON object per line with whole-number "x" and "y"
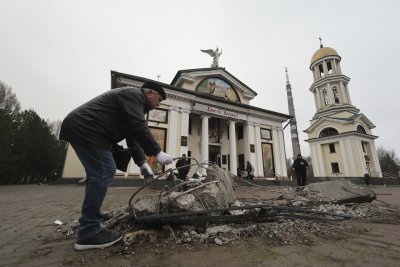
{"x": 340, "y": 137}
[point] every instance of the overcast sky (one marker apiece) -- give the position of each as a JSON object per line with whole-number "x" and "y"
{"x": 57, "y": 54}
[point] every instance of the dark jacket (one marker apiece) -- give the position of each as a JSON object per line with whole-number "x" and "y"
{"x": 249, "y": 168}
{"x": 109, "y": 118}
{"x": 183, "y": 162}
{"x": 300, "y": 165}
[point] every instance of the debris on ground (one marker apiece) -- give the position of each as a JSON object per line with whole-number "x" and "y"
{"x": 199, "y": 213}
{"x": 336, "y": 191}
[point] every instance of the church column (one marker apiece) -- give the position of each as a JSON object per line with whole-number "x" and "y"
{"x": 204, "y": 141}
{"x": 232, "y": 147}
{"x": 325, "y": 67}
{"x": 260, "y": 166}
{"x": 248, "y": 136}
{"x": 172, "y": 134}
{"x": 318, "y": 94}
{"x": 335, "y": 69}
{"x": 282, "y": 160}
{"x": 345, "y": 90}
{"x": 315, "y": 164}
{"x": 316, "y": 100}
{"x": 276, "y": 150}
{"x": 184, "y": 131}
{"x": 344, "y": 93}
{"x": 375, "y": 159}
{"x": 320, "y": 160}
{"x": 344, "y": 157}
{"x": 246, "y": 142}
{"x": 349, "y": 153}
{"x": 315, "y": 73}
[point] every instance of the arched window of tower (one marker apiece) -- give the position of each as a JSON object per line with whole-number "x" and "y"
{"x": 329, "y": 65}
{"x": 321, "y": 70}
{"x": 329, "y": 131}
{"x": 325, "y": 96}
{"x": 335, "y": 94}
{"x": 361, "y": 129}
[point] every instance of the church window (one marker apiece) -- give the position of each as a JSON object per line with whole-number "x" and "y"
{"x": 321, "y": 70}
{"x": 328, "y": 132}
{"x": 335, "y": 94}
{"x": 325, "y": 96}
{"x": 329, "y": 65}
{"x": 335, "y": 167}
{"x": 361, "y": 129}
{"x": 364, "y": 146}
{"x": 332, "y": 148}
{"x": 190, "y": 125}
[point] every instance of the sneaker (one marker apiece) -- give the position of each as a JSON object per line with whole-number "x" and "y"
{"x": 103, "y": 239}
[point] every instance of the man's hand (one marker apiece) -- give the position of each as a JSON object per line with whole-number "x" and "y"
{"x": 164, "y": 158}
{"x": 146, "y": 170}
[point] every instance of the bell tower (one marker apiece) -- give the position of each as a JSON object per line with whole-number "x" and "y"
{"x": 340, "y": 137}
{"x": 330, "y": 87}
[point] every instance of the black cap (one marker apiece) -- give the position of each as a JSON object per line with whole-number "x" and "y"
{"x": 156, "y": 87}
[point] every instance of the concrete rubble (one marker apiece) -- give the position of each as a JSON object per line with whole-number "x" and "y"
{"x": 216, "y": 193}
{"x": 336, "y": 191}
{"x": 297, "y": 219}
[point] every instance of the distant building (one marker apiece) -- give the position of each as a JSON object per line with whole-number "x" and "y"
{"x": 340, "y": 138}
{"x": 207, "y": 116}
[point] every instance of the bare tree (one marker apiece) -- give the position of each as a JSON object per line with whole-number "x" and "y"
{"x": 8, "y": 100}
{"x": 389, "y": 161}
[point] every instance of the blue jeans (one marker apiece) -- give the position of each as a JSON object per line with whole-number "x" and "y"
{"x": 100, "y": 169}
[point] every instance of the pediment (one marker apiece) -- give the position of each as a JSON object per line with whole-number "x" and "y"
{"x": 201, "y": 80}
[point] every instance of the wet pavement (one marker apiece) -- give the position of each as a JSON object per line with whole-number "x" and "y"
{"x": 28, "y": 236}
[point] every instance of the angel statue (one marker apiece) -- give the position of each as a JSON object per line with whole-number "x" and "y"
{"x": 215, "y": 54}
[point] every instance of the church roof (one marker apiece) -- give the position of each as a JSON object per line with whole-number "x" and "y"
{"x": 115, "y": 84}
{"x": 180, "y": 72}
{"x": 323, "y": 52}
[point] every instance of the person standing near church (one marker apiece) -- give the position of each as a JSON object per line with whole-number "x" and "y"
{"x": 93, "y": 129}
{"x": 250, "y": 171}
{"x": 300, "y": 166}
{"x": 183, "y": 166}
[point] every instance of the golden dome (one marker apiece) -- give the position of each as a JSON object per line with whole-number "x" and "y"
{"x": 324, "y": 52}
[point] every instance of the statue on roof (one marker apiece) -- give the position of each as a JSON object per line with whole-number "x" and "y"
{"x": 215, "y": 54}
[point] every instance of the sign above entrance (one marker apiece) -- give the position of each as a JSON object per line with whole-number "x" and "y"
{"x": 219, "y": 111}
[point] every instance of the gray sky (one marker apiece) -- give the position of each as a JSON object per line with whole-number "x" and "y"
{"x": 57, "y": 54}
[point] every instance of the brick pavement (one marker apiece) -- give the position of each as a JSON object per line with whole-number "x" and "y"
{"x": 28, "y": 215}
{"x": 28, "y": 234}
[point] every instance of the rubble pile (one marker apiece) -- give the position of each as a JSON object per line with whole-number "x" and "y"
{"x": 366, "y": 211}
{"x": 309, "y": 215}
{"x": 286, "y": 232}
{"x": 216, "y": 193}
{"x": 336, "y": 191}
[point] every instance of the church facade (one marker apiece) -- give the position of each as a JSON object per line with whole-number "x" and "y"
{"x": 340, "y": 137}
{"x": 207, "y": 116}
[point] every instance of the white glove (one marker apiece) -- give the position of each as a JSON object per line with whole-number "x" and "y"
{"x": 146, "y": 170}
{"x": 164, "y": 158}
